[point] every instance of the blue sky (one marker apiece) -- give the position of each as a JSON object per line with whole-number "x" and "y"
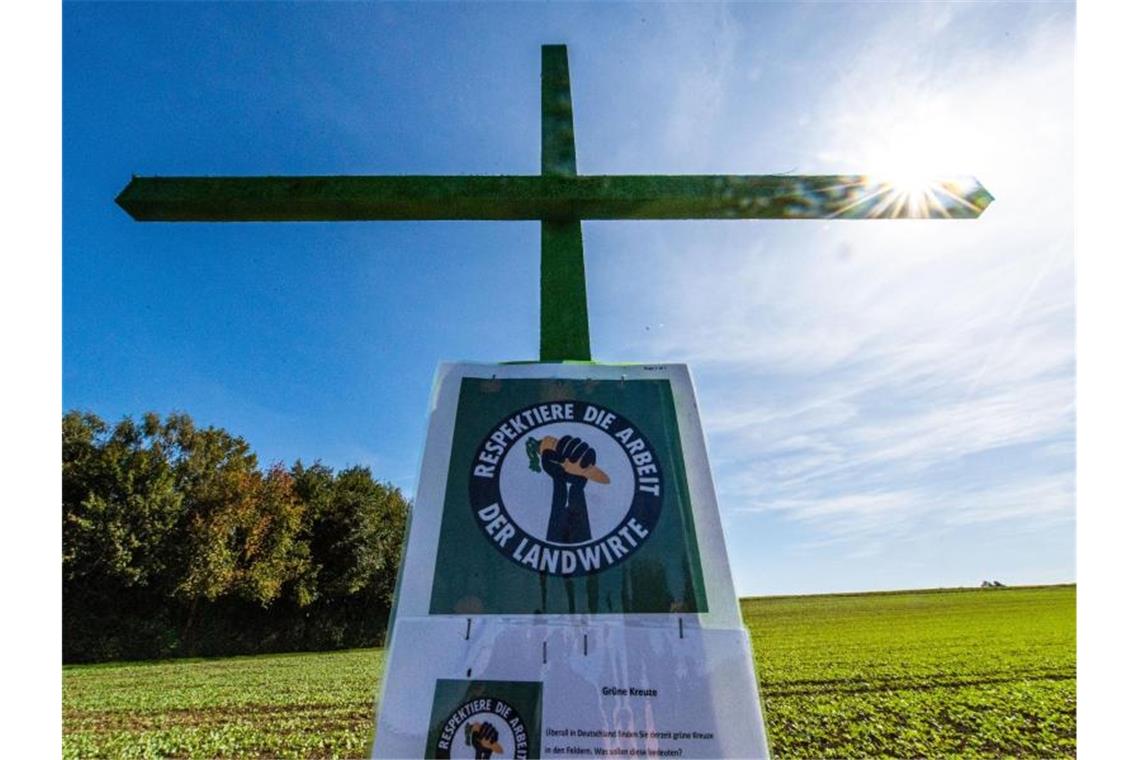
{"x": 887, "y": 404}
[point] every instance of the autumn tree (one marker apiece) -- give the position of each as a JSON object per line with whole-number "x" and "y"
{"x": 176, "y": 541}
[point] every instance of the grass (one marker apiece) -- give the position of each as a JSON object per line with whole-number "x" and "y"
{"x": 908, "y": 674}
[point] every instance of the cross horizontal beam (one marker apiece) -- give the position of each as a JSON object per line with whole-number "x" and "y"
{"x": 548, "y": 197}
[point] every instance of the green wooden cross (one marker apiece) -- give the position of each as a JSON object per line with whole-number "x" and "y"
{"x": 558, "y": 197}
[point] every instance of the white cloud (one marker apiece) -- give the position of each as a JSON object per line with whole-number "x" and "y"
{"x": 876, "y": 380}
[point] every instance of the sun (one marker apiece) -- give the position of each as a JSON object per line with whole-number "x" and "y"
{"x": 907, "y": 197}
{"x": 917, "y": 158}
{"x": 911, "y": 196}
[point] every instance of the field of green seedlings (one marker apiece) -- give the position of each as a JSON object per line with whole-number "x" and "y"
{"x": 294, "y": 705}
{"x": 963, "y": 673}
{"x": 977, "y": 673}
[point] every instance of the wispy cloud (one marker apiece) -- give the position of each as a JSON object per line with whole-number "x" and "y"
{"x": 872, "y": 382}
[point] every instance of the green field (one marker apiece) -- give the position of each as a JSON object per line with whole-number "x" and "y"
{"x": 955, "y": 673}
{"x": 909, "y": 674}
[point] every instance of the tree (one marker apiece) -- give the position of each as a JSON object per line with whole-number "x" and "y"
{"x": 176, "y": 542}
{"x": 121, "y": 504}
{"x": 355, "y": 531}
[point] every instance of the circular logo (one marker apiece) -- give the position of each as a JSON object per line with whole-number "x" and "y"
{"x": 486, "y": 727}
{"x": 566, "y": 488}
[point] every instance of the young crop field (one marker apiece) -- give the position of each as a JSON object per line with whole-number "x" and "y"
{"x": 977, "y": 673}
{"x": 973, "y": 673}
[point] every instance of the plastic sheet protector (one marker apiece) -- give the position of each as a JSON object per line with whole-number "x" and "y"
{"x": 565, "y": 590}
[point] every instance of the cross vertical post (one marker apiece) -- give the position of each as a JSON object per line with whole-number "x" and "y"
{"x": 565, "y": 324}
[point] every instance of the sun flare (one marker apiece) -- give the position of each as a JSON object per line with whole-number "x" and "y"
{"x": 906, "y": 197}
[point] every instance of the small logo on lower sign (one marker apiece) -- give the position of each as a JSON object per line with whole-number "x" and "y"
{"x": 486, "y": 727}
{"x": 566, "y": 488}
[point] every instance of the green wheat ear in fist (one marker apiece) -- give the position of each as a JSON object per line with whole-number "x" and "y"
{"x": 532, "y": 453}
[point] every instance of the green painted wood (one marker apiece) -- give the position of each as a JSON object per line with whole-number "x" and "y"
{"x": 362, "y": 198}
{"x": 558, "y": 158}
{"x": 564, "y": 332}
{"x": 565, "y": 321}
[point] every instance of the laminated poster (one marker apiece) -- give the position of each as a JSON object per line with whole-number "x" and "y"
{"x": 565, "y": 590}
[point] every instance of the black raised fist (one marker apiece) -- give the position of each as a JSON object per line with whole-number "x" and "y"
{"x": 483, "y": 737}
{"x": 566, "y": 464}
{"x": 573, "y": 450}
